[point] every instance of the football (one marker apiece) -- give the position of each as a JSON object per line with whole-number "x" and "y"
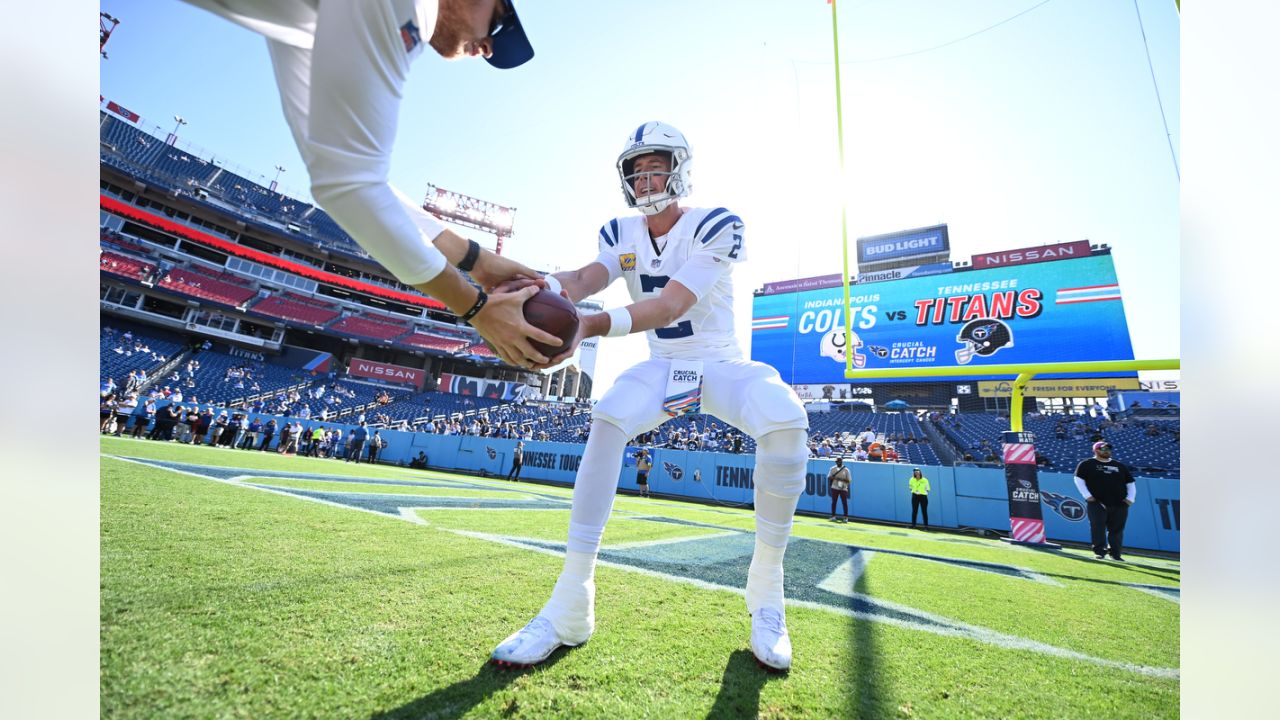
{"x": 551, "y": 312}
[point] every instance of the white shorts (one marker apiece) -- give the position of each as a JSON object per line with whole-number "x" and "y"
{"x": 746, "y": 394}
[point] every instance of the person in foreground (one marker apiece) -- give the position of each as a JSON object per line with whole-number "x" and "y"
{"x": 340, "y": 68}
{"x": 677, "y": 264}
{"x": 1109, "y": 489}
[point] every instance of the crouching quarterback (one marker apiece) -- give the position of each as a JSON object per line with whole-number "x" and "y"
{"x": 677, "y": 264}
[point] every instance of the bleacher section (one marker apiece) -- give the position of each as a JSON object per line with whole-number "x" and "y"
{"x": 289, "y": 308}
{"x": 366, "y": 327}
{"x": 213, "y": 384}
{"x": 118, "y": 356}
{"x": 428, "y": 341}
{"x": 224, "y": 288}
{"x": 1151, "y": 449}
{"x": 125, "y": 266}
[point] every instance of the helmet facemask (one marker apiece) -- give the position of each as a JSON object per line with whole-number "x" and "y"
{"x": 656, "y": 138}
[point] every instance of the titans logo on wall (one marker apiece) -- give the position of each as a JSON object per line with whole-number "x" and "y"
{"x": 837, "y": 342}
{"x": 674, "y": 471}
{"x": 1067, "y": 507}
{"x": 491, "y": 452}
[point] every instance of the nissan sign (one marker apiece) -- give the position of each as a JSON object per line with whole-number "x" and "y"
{"x": 1023, "y": 256}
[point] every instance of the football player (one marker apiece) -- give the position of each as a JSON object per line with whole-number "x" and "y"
{"x": 677, "y": 264}
{"x": 340, "y": 68}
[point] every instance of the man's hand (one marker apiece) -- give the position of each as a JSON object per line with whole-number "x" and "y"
{"x": 492, "y": 269}
{"x": 1090, "y": 499}
{"x": 501, "y": 323}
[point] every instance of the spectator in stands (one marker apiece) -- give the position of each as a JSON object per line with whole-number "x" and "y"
{"x": 1109, "y": 489}
{"x": 860, "y": 454}
{"x": 517, "y": 462}
{"x": 919, "y": 487}
{"x": 838, "y": 488}
{"x": 340, "y": 69}
{"x": 967, "y": 461}
{"x": 106, "y": 387}
{"x": 867, "y": 437}
{"x": 875, "y": 452}
{"x": 890, "y": 454}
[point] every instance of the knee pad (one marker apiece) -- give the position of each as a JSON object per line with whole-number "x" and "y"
{"x": 782, "y": 457}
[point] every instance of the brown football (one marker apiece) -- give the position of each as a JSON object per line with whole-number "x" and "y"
{"x": 551, "y": 312}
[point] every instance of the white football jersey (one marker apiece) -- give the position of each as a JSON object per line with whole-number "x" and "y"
{"x": 699, "y": 252}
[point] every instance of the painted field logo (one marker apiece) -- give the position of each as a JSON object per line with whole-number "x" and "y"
{"x": 1067, "y": 507}
{"x": 675, "y": 471}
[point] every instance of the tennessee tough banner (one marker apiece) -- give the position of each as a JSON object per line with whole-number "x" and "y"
{"x": 384, "y": 371}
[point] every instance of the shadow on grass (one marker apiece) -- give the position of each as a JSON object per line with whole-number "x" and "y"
{"x": 461, "y": 697}
{"x": 740, "y": 686}
{"x": 868, "y": 697}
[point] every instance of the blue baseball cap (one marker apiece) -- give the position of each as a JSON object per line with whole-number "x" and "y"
{"x": 511, "y": 46}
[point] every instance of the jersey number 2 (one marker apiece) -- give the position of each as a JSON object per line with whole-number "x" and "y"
{"x": 684, "y": 329}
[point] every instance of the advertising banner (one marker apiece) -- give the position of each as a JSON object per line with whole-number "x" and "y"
{"x": 360, "y": 367}
{"x": 812, "y": 283}
{"x": 1079, "y": 248}
{"x": 1057, "y": 388}
{"x": 1069, "y": 310}
{"x": 587, "y": 352}
{"x": 920, "y": 242}
{"x": 903, "y": 272}
{"x": 833, "y": 391}
{"x": 479, "y": 387}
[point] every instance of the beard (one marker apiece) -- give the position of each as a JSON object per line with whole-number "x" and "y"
{"x": 447, "y": 38}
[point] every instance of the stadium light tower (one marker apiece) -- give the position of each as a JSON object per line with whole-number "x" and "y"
{"x": 471, "y": 212}
{"x": 275, "y": 181}
{"x": 173, "y": 136}
{"x": 106, "y": 24}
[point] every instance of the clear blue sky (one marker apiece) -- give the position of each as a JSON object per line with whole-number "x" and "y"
{"x": 1043, "y": 129}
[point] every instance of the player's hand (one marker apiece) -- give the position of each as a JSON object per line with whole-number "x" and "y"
{"x": 518, "y": 283}
{"x": 501, "y": 323}
{"x": 492, "y": 269}
{"x": 1091, "y": 499}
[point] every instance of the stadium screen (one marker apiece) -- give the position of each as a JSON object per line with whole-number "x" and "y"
{"x": 1059, "y": 311}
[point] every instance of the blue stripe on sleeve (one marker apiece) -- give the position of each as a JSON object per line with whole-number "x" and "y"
{"x": 710, "y": 216}
{"x": 715, "y": 229}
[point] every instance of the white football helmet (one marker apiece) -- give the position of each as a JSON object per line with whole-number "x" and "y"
{"x": 836, "y": 343}
{"x": 649, "y": 138}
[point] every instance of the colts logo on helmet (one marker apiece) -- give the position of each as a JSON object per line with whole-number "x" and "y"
{"x": 675, "y": 471}
{"x": 837, "y": 342}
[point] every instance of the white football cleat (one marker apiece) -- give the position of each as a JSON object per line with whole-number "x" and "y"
{"x": 770, "y": 642}
{"x": 529, "y": 645}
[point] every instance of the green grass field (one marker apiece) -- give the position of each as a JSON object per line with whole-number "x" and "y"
{"x": 249, "y": 585}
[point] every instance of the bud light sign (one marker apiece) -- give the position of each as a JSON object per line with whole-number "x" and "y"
{"x": 922, "y": 242}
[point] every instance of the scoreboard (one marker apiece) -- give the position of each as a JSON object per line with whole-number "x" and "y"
{"x": 1058, "y": 311}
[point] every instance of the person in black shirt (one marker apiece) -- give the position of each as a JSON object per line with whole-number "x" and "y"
{"x": 1108, "y": 489}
